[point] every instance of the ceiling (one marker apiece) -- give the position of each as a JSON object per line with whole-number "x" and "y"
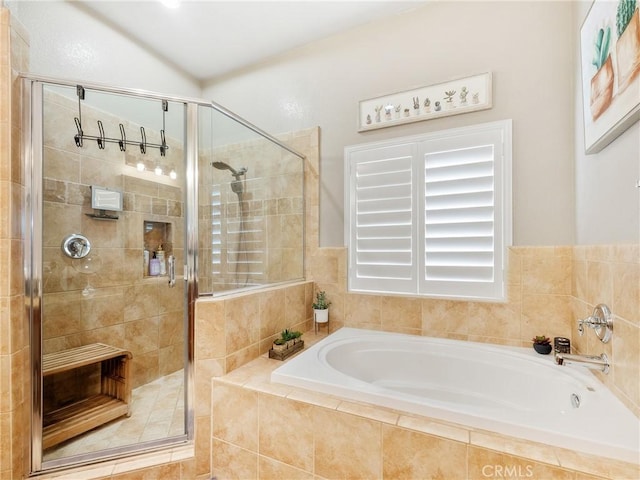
{"x": 208, "y": 39}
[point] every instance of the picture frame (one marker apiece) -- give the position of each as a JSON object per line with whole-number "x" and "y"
{"x": 453, "y": 97}
{"x": 610, "y": 71}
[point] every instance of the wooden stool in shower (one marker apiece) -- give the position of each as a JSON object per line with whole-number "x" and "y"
{"x": 112, "y": 402}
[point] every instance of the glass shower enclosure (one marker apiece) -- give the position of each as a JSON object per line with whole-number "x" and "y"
{"x": 135, "y": 199}
{"x": 251, "y": 207}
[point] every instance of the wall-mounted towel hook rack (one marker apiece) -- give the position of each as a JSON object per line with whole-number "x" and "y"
{"x": 122, "y": 142}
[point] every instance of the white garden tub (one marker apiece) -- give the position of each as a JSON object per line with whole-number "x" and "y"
{"x": 513, "y": 391}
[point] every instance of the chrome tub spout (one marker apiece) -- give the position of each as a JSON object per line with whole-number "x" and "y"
{"x": 594, "y": 362}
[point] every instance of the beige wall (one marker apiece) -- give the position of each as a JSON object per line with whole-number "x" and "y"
{"x": 607, "y": 199}
{"x": 527, "y": 45}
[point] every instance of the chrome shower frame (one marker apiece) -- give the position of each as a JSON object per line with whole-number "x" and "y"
{"x": 32, "y": 126}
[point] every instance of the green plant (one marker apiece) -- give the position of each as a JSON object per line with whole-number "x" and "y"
{"x": 287, "y": 335}
{"x": 624, "y": 14}
{"x": 280, "y": 341}
{"x": 541, "y": 340}
{"x": 603, "y": 40}
{"x": 321, "y": 302}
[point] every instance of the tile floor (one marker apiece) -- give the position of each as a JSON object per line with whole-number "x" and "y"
{"x": 157, "y": 411}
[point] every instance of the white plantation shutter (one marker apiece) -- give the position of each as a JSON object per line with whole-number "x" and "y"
{"x": 459, "y": 185}
{"x": 383, "y": 236}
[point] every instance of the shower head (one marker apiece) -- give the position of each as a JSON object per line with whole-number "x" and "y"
{"x": 234, "y": 172}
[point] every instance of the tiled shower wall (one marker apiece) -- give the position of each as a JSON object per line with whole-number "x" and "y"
{"x": 124, "y": 308}
{"x": 270, "y": 214}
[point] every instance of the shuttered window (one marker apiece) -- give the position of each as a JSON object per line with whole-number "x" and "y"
{"x": 430, "y": 215}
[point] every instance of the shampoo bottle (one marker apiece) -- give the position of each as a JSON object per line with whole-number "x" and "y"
{"x": 154, "y": 266}
{"x": 161, "y": 260}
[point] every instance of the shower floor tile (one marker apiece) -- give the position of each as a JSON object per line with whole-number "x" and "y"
{"x": 157, "y": 411}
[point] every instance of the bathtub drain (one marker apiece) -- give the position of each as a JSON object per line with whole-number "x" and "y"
{"x": 575, "y": 400}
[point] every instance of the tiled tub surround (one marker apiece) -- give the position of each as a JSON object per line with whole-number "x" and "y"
{"x": 549, "y": 288}
{"x": 264, "y": 430}
{"x": 513, "y": 391}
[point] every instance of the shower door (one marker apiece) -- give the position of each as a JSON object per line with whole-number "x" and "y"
{"x": 108, "y": 293}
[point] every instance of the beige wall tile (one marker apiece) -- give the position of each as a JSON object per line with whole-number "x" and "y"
{"x": 171, "y": 329}
{"x": 362, "y": 311}
{"x": 295, "y": 306}
{"x": 626, "y": 359}
{"x": 203, "y": 443}
{"x": 599, "y": 284}
{"x": 496, "y": 320}
{"x": 232, "y": 463}
{"x": 379, "y": 414}
{"x": 546, "y": 315}
{"x": 284, "y": 431}
{"x": 626, "y": 291}
{"x": 242, "y": 430}
{"x": 442, "y": 430}
{"x": 241, "y": 322}
{"x": 269, "y": 469}
{"x": 272, "y": 312}
{"x": 205, "y": 370}
{"x": 546, "y": 272}
{"x": 494, "y": 465}
{"x": 337, "y": 455}
{"x": 409, "y": 455}
{"x": 401, "y": 312}
{"x": 141, "y": 336}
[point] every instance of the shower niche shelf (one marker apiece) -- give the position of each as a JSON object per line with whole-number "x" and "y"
{"x": 156, "y": 234}
{"x": 112, "y": 401}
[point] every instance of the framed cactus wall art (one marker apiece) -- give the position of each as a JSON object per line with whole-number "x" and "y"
{"x": 610, "y": 67}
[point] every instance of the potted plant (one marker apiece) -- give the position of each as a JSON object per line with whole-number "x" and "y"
{"x": 602, "y": 81}
{"x": 628, "y": 44}
{"x": 288, "y": 343}
{"x": 279, "y": 344}
{"x": 290, "y": 338}
{"x": 541, "y": 344}
{"x": 321, "y": 307}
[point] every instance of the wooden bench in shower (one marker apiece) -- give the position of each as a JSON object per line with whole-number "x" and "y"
{"x": 113, "y": 401}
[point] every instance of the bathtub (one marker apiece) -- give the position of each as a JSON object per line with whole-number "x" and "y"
{"x": 508, "y": 390}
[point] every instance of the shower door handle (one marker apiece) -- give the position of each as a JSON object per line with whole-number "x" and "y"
{"x": 172, "y": 270}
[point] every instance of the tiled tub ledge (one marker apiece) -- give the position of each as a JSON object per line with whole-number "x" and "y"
{"x": 267, "y": 430}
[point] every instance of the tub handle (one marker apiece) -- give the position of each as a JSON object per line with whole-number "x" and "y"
{"x": 601, "y": 321}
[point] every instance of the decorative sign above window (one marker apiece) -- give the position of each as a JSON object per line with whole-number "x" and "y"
{"x": 463, "y": 95}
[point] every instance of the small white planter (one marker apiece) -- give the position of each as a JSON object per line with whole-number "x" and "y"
{"x": 321, "y": 316}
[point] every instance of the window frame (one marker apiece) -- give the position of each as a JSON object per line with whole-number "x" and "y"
{"x": 500, "y": 133}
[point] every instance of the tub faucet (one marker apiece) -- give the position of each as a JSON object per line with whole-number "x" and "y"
{"x": 593, "y": 362}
